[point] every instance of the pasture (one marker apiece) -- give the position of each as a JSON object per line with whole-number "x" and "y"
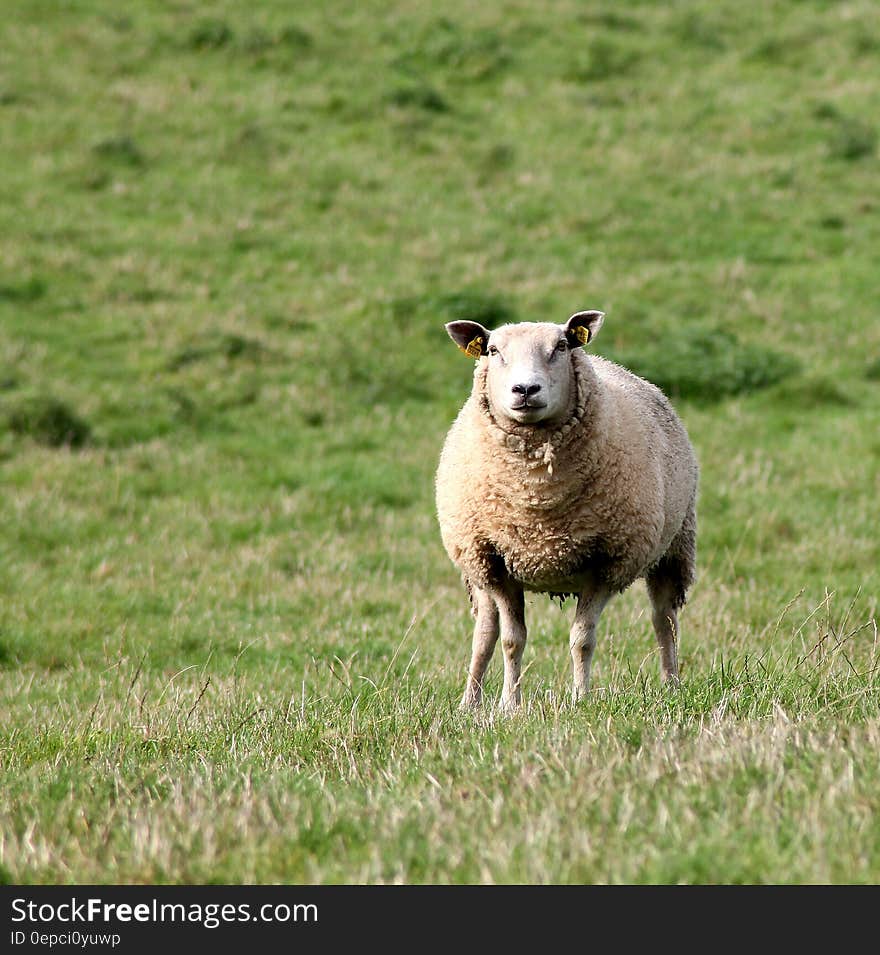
{"x": 231, "y": 644}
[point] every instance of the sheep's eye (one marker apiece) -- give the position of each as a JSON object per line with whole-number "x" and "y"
{"x": 492, "y": 350}
{"x": 562, "y": 345}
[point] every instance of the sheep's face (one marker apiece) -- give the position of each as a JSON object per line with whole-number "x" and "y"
{"x": 529, "y": 375}
{"x": 529, "y": 378}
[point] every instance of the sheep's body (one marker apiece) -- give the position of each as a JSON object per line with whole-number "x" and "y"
{"x": 584, "y": 504}
{"x": 623, "y": 480}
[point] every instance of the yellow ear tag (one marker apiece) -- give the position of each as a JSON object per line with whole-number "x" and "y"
{"x": 582, "y": 334}
{"x": 475, "y": 347}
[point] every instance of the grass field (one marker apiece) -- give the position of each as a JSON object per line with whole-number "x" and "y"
{"x": 231, "y": 644}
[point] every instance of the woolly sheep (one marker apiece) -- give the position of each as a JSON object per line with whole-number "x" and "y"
{"x": 567, "y": 475}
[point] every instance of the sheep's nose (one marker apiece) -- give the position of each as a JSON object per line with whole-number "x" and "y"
{"x": 526, "y": 390}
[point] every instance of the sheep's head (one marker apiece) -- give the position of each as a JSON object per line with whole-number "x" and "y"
{"x": 529, "y": 377}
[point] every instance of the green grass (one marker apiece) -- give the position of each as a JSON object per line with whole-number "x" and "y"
{"x": 231, "y": 645}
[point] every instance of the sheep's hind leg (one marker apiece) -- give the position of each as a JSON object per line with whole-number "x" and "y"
{"x": 512, "y": 620}
{"x": 485, "y": 638}
{"x": 582, "y": 641}
{"x": 666, "y": 598}
{"x": 668, "y": 584}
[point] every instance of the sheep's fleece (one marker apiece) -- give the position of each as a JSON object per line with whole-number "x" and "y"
{"x": 583, "y": 503}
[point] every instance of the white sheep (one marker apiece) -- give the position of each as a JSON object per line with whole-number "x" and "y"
{"x": 564, "y": 475}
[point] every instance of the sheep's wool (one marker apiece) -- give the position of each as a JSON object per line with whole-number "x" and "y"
{"x": 597, "y": 498}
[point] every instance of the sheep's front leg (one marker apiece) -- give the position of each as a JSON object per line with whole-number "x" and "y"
{"x": 485, "y": 638}
{"x": 582, "y": 641}
{"x": 512, "y": 620}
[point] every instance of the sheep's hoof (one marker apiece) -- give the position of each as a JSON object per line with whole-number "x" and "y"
{"x": 470, "y": 703}
{"x": 579, "y": 695}
{"x": 509, "y": 707}
{"x": 671, "y": 681}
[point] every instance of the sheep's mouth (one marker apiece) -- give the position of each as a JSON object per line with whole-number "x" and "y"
{"x": 527, "y": 412}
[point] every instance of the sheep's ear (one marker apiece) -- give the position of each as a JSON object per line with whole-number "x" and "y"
{"x": 583, "y": 327}
{"x": 470, "y": 337}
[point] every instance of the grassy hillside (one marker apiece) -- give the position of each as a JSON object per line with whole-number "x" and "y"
{"x": 231, "y": 645}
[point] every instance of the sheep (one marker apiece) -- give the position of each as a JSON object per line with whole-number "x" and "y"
{"x": 567, "y": 475}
